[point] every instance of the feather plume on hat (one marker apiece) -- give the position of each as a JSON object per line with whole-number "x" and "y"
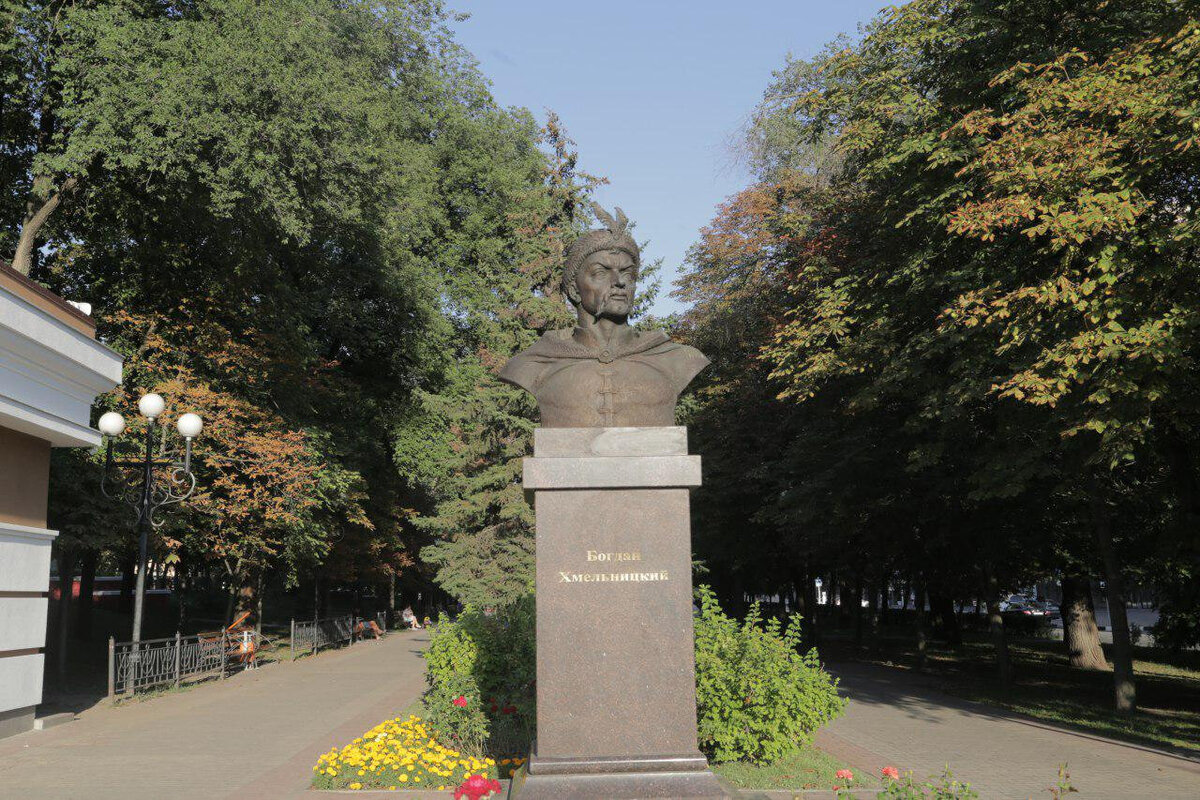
{"x": 613, "y": 236}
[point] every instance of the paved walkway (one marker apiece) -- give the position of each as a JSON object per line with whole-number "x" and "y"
{"x": 258, "y": 734}
{"x": 255, "y": 735}
{"x": 897, "y": 718}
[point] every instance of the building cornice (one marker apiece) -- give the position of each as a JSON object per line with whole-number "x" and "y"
{"x": 50, "y": 372}
{"x": 43, "y": 298}
{"x": 10, "y": 530}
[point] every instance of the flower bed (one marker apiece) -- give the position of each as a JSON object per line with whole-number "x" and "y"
{"x": 401, "y": 754}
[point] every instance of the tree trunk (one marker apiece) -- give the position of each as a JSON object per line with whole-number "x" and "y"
{"x": 800, "y": 605}
{"x": 87, "y": 588}
{"x": 1124, "y": 690}
{"x": 1081, "y": 637}
{"x": 857, "y": 610}
{"x": 922, "y": 620}
{"x": 391, "y": 598}
{"x": 943, "y": 609}
{"x": 999, "y": 639}
{"x": 876, "y": 614}
{"x": 847, "y": 606}
{"x": 808, "y": 596}
{"x": 35, "y": 219}
{"x": 66, "y": 585}
{"x": 258, "y": 603}
{"x": 885, "y": 598}
{"x": 247, "y": 597}
{"x": 316, "y": 597}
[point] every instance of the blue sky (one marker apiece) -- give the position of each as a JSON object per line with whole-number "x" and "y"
{"x": 653, "y": 92}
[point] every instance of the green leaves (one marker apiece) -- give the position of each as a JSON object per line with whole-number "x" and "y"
{"x": 963, "y": 280}
{"x": 757, "y": 695}
{"x": 490, "y": 660}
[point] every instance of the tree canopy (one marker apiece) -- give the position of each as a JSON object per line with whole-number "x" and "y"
{"x": 311, "y": 223}
{"x": 960, "y": 299}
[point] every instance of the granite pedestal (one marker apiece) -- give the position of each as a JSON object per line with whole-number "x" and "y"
{"x": 616, "y": 701}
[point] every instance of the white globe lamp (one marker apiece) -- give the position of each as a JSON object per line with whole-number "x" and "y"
{"x": 111, "y": 424}
{"x": 151, "y": 405}
{"x": 190, "y": 425}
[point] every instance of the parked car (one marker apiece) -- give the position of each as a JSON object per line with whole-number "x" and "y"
{"x": 1026, "y": 609}
{"x": 1047, "y": 606}
{"x": 1014, "y": 599}
{"x": 1025, "y": 618}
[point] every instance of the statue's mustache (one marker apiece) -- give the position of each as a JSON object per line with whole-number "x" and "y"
{"x": 608, "y": 293}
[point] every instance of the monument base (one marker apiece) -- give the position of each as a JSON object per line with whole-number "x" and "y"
{"x": 616, "y": 682}
{"x": 613, "y": 779}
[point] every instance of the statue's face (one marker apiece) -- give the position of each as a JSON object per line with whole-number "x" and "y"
{"x": 606, "y": 283}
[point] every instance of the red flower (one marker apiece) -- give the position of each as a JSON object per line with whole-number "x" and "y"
{"x": 891, "y": 772}
{"x": 844, "y": 774}
{"x": 460, "y": 701}
{"x": 475, "y": 787}
{"x": 508, "y": 710}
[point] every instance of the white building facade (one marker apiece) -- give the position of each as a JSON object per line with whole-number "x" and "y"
{"x": 51, "y": 369}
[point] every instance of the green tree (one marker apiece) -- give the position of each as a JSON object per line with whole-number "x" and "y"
{"x": 287, "y": 217}
{"x": 981, "y": 333}
{"x": 464, "y": 439}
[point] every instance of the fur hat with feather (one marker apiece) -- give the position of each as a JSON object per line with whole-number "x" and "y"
{"x": 613, "y": 236}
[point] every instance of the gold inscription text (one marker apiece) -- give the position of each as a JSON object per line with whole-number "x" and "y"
{"x": 611, "y": 577}
{"x": 593, "y": 555}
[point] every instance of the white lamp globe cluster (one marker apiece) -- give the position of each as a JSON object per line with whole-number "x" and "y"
{"x": 151, "y": 407}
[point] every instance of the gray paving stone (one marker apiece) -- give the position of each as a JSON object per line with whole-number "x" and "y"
{"x": 256, "y": 735}
{"x": 896, "y": 718}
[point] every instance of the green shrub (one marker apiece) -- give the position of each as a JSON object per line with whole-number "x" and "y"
{"x": 488, "y": 660}
{"x": 757, "y": 695}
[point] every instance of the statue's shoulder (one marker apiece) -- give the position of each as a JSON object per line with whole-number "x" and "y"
{"x": 528, "y": 367}
{"x": 681, "y": 362}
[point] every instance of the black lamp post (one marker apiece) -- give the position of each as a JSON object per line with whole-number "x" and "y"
{"x": 163, "y": 482}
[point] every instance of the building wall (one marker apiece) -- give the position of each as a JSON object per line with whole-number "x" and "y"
{"x": 51, "y": 369}
{"x": 24, "y": 589}
{"x": 24, "y": 478}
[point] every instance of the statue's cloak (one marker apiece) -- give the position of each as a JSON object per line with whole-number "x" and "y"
{"x": 634, "y": 384}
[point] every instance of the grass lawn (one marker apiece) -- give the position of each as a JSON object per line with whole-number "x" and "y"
{"x": 805, "y": 768}
{"x": 1046, "y": 687}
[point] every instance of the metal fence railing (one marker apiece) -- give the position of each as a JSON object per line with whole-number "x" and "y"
{"x": 309, "y": 636}
{"x": 177, "y": 659}
{"x": 169, "y": 662}
{"x": 312, "y": 635}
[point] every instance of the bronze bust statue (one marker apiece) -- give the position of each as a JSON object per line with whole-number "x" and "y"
{"x": 604, "y": 373}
